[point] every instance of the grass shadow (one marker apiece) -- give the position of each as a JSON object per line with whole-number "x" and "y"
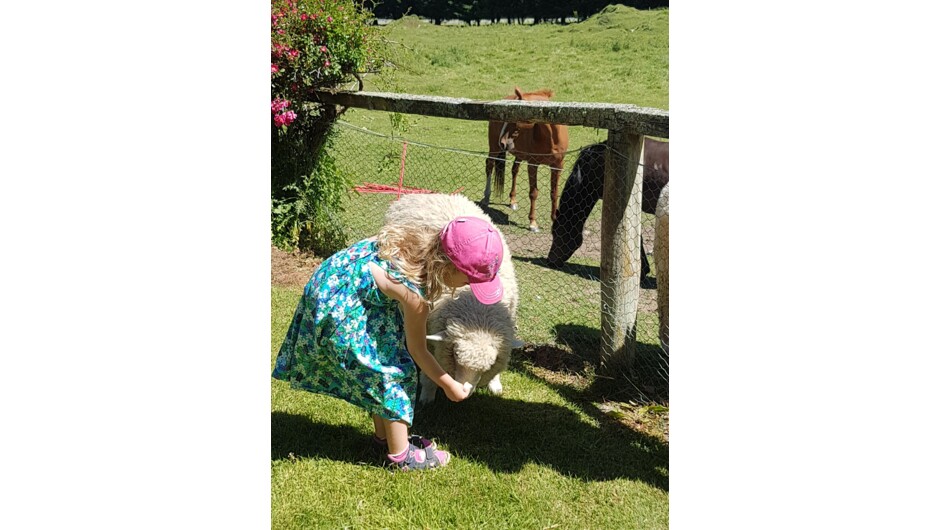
{"x": 504, "y": 435}
{"x": 498, "y": 216}
{"x": 297, "y": 436}
{"x": 502, "y": 213}
{"x": 587, "y": 272}
{"x": 571, "y": 367}
{"x": 647, "y": 382}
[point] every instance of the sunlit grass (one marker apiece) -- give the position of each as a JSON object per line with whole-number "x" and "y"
{"x": 542, "y": 454}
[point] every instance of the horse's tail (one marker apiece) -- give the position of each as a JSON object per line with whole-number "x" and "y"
{"x": 500, "y": 178}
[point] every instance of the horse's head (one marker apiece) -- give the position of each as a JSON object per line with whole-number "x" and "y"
{"x": 565, "y": 240}
{"x": 542, "y": 94}
{"x": 510, "y": 131}
{"x": 507, "y": 136}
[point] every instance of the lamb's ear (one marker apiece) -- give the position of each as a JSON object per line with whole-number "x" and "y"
{"x": 439, "y": 337}
{"x": 516, "y": 343}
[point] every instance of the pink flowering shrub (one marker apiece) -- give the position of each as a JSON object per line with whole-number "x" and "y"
{"x": 315, "y": 44}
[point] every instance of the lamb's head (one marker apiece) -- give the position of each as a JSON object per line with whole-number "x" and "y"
{"x": 477, "y": 353}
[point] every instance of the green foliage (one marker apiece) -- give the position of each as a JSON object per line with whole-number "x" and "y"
{"x": 398, "y": 122}
{"x": 315, "y": 44}
{"x": 308, "y": 213}
{"x": 513, "y": 10}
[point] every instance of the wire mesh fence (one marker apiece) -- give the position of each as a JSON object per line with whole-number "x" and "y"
{"x": 557, "y": 268}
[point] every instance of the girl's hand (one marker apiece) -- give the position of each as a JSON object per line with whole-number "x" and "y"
{"x": 455, "y": 391}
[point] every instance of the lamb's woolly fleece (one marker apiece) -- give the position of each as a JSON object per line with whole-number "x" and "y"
{"x": 661, "y": 257}
{"x": 479, "y": 337}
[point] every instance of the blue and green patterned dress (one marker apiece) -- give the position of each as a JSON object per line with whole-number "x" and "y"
{"x": 347, "y": 338}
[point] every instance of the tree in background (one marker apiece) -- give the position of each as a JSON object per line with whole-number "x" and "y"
{"x": 514, "y": 11}
{"x": 315, "y": 44}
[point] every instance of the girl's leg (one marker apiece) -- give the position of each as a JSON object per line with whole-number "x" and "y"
{"x": 397, "y": 435}
{"x": 380, "y": 435}
{"x": 380, "y": 438}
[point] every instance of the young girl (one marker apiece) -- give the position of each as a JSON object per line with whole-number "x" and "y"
{"x": 360, "y": 327}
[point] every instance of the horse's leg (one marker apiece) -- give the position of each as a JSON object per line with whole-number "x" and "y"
{"x": 512, "y": 193}
{"x": 490, "y": 164}
{"x": 499, "y": 179}
{"x": 556, "y": 176}
{"x": 533, "y": 195}
{"x": 495, "y": 163}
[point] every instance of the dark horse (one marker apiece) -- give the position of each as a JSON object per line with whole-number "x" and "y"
{"x": 535, "y": 143}
{"x": 585, "y": 186}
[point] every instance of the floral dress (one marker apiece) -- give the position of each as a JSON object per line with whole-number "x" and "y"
{"x": 347, "y": 338}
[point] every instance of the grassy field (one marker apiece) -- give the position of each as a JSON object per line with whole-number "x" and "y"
{"x": 562, "y": 448}
{"x": 543, "y": 454}
{"x": 621, "y": 56}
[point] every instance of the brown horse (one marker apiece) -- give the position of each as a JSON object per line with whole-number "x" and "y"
{"x": 535, "y": 143}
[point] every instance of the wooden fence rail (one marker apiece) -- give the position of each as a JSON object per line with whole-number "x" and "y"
{"x": 623, "y": 182}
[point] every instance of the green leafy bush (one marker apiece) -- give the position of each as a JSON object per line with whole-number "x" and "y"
{"x": 315, "y": 44}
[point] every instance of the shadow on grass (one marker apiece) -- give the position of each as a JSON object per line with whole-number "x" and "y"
{"x": 294, "y": 435}
{"x": 504, "y": 435}
{"x": 648, "y": 382}
{"x": 499, "y": 217}
{"x": 634, "y": 454}
{"x": 587, "y": 272}
{"x": 502, "y": 217}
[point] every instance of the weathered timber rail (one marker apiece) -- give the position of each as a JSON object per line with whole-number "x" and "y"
{"x": 635, "y": 120}
{"x": 623, "y": 182}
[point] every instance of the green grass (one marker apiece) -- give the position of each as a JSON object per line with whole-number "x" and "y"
{"x": 542, "y": 454}
{"x": 562, "y": 447}
{"x": 620, "y": 56}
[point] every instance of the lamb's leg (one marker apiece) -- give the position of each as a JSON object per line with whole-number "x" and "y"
{"x": 428, "y": 390}
{"x": 495, "y": 386}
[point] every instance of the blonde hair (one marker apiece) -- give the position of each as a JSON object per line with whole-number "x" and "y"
{"x": 416, "y": 252}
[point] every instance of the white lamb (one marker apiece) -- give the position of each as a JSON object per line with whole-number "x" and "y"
{"x": 661, "y": 257}
{"x": 471, "y": 341}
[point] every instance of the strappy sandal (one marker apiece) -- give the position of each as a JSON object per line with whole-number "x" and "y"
{"x": 418, "y": 458}
{"x": 380, "y": 446}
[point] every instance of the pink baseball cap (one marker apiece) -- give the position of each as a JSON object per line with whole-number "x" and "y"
{"x": 476, "y": 249}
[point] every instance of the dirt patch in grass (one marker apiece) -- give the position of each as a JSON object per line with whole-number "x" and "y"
{"x": 292, "y": 269}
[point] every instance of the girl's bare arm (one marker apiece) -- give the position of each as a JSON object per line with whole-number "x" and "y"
{"x": 415, "y": 311}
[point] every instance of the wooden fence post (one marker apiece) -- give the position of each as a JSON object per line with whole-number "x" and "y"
{"x": 620, "y": 251}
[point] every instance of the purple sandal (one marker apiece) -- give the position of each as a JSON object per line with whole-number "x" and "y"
{"x": 380, "y": 446}
{"x": 417, "y": 458}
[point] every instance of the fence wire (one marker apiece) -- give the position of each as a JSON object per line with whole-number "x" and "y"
{"x": 557, "y": 268}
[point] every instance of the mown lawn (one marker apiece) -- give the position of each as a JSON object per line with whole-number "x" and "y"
{"x": 542, "y": 454}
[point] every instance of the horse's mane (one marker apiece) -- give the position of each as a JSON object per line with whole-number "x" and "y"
{"x": 546, "y": 93}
